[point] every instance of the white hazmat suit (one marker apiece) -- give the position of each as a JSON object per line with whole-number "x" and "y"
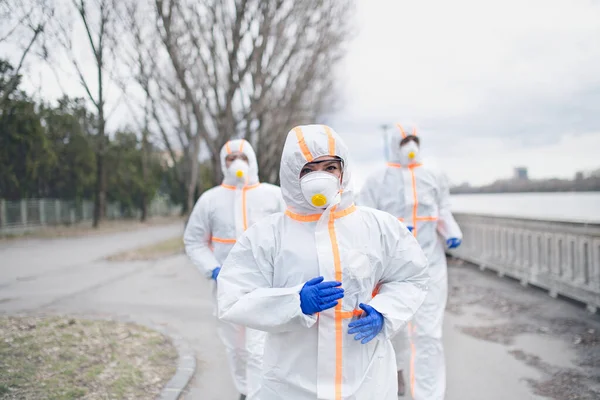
{"x": 419, "y": 197}
{"x": 371, "y": 253}
{"x": 219, "y": 217}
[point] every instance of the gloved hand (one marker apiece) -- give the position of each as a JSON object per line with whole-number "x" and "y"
{"x": 453, "y": 243}
{"x": 317, "y": 296}
{"x": 410, "y": 228}
{"x": 367, "y": 327}
{"x": 215, "y": 273}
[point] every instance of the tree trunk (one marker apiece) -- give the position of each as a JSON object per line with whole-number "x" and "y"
{"x": 217, "y": 174}
{"x": 100, "y": 198}
{"x": 145, "y": 151}
{"x": 100, "y": 188}
{"x": 193, "y": 175}
{"x": 144, "y": 200}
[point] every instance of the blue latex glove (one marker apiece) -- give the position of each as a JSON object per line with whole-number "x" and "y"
{"x": 453, "y": 243}
{"x": 410, "y": 228}
{"x": 317, "y": 296}
{"x": 215, "y": 273}
{"x": 366, "y": 327}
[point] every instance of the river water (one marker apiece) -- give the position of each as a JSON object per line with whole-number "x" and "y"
{"x": 581, "y": 206}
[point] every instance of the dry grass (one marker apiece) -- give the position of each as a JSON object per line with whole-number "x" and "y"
{"x": 151, "y": 252}
{"x": 86, "y": 229}
{"x": 60, "y": 358}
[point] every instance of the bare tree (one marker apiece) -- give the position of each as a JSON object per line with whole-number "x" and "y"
{"x": 238, "y": 68}
{"x": 236, "y": 61}
{"x": 305, "y": 91}
{"x": 98, "y": 21}
{"x": 164, "y": 105}
{"x": 22, "y": 24}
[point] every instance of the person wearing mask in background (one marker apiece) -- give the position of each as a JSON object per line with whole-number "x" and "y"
{"x": 410, "y": 191}
{"x": 330, "y": 282}
{"x": 219, "y": 217}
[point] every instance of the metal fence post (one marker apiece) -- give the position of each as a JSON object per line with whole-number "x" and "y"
{"x": 2, "y": 212}
{"x": 57, "y": 211}
{"x": 24, "y": 212}
{"x": 72, "y": 216}
{"x": 42, "y": 212}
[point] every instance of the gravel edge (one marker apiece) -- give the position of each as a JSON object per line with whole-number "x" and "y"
{"x": 186, "y": 366}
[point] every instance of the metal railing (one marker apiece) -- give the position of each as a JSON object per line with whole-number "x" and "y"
{"x": 561, "y": 257}
{"x": 27, "y": 214}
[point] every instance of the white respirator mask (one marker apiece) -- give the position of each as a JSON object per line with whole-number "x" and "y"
{"x": 239, "y": 170}
{"x": 320, "y": 189}
{"x": 409, "y": 152}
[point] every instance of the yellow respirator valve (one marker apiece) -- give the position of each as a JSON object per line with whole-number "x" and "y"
{"x": 319, "y": 200}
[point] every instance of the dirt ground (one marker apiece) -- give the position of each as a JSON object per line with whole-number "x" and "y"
{"x": 154, "y": 251}
{"x": 504, "y": 312}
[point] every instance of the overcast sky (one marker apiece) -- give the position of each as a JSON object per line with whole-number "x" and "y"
{"x": 490, "y": 84}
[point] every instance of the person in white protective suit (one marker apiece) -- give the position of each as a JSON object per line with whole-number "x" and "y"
{"x": 330, "y": 282}
{"x": 219, "y": 217}
{"x": 419, "y": 197}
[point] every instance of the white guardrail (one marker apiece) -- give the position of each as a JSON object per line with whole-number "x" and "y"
{"x": 561, "y": 257}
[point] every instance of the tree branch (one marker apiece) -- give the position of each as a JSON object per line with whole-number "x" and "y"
{"x": 14, "y": 80}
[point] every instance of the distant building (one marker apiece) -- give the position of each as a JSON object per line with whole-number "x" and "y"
{"x": 520, "y": 174}
{"x": 579, "y": 176}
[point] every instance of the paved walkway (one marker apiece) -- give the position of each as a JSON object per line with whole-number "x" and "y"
{"x": 502, "y": 341}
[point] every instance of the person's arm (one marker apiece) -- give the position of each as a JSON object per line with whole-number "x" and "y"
{"x": 447, "y": 226}
{"x": 403, "y": 284}
{"x": 246, "y": 295}
{"x": 197, "y": 237}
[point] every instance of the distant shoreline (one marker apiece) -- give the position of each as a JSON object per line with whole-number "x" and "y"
{"x": 580, "y": 184}
{"x": 485, "y": 191}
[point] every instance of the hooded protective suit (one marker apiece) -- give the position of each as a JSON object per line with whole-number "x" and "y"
{"x": 219, "y": 217}
{"x": 378, "y": 262}
{"x": 419, "y": 197}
